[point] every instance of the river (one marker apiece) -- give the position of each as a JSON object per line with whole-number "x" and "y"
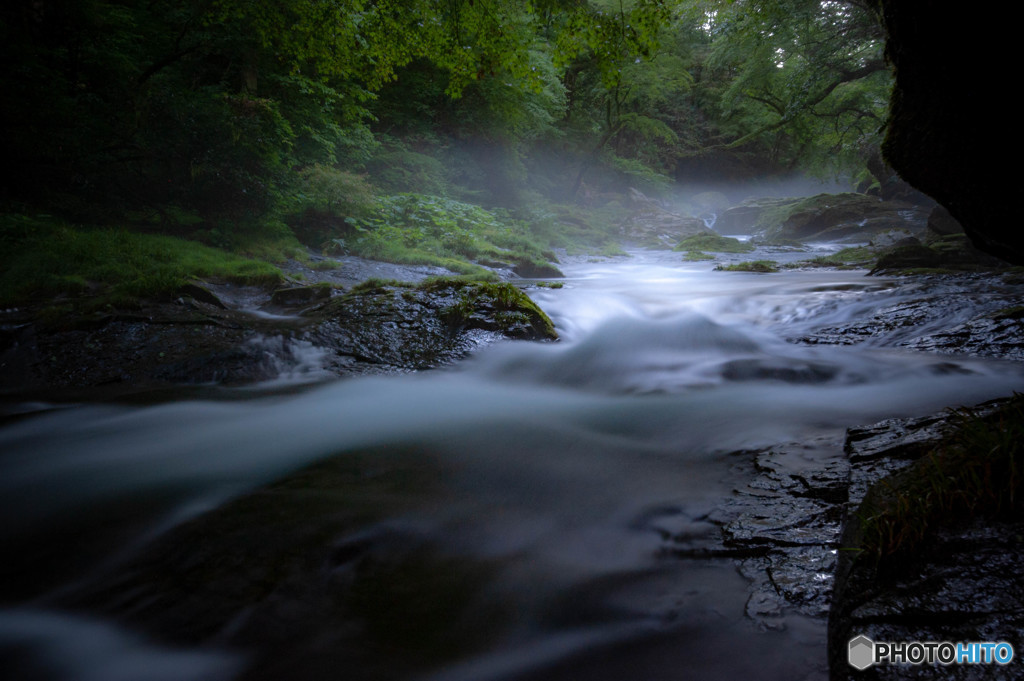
{"x": 534, "y": 482}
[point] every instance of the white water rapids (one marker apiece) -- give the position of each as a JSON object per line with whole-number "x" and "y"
{"x": 549, "y": 454}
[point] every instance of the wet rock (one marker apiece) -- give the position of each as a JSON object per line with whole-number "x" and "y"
{"x": 941, "y": 222}
{"x": 528, "y": 269}
{"x": 745, "y": 218}
{"x": 951, "y": 252}
{"x": 425, "y": 326}
{"x": 960, "y": 585}
{"x": 969, "y": 314}
{"x": 782, "y": 527}
{"x": 845, "y": 217}
{"x": 309, "y": 576}
{"x": 300, "y": 296}
{"x": 160, "y": 343}
{"x": 964, "y": 585}
{"x": 761, "y": 370}
{"x": 201, "y": 294}
{"x": 999, "y": 334}
{"x": 191, "y": 342}
{"x": 654, "y": 225}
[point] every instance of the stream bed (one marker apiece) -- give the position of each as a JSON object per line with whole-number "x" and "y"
{"x": 537, "y": 511}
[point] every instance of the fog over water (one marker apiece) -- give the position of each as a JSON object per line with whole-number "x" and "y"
{"x": 551, "y": 457}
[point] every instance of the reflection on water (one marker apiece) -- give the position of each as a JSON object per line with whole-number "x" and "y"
{"x": 549, "y": 455}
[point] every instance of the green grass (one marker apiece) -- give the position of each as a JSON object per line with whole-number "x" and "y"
{"x": 416, "y": 229}
{"x": 762, "y": 266}
{"x": 714, "y": 243}
{"x": 978, "y": 471}
{"x": 44, "y": 258}
{"x": 695, "y": 256}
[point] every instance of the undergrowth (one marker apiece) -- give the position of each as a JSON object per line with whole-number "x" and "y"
{"x": 431, "y": 230}
{"x": 43, "y": 258}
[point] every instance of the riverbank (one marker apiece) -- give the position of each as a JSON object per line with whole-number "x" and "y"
{"x": 347, "y": 317}
{"x": 614, "y": 501}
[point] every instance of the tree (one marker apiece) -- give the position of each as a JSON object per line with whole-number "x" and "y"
{"x": 806, "y": 78}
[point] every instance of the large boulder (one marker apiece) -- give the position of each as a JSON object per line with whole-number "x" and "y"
{"x": 654, "y": 225}
{"x": 377, "y": 327}
{"x": 431, "y": 324}
{"x": 946, "y": 130}
{"x": 847, "y": 217}
{"x": 744, "y": 218}
{"x": 942, "y": 223}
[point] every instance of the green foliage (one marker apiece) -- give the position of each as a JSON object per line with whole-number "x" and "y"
{"x": 44, "y": 258}
{"x": 431, "y": 230}
{"x": 321, "y": 198}
{"x": 403, "y": 170}
{"x": 223, "y": 119}
{"x": 331, "y": 191}
{"x": 713, "y": 242}
{"x": 806, "y": 80}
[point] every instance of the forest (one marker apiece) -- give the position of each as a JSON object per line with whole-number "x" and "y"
{"x": 262, "y": 128}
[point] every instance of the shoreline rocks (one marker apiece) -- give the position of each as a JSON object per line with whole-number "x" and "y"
{"x": 231, "y": 336}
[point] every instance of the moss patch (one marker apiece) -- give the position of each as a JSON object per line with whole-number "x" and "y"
{"x": 714, "y": 243}
{"x": 509, "y": 307}
{"x": 418, "y": 229}
{"x": 978, "y": 471}
{"x": 762, "y": 266}
{"x": 853, "y": 257}
{"x": 43, "y": 258}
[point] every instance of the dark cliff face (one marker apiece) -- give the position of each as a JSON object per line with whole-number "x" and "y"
{"x": 950, "y": 132}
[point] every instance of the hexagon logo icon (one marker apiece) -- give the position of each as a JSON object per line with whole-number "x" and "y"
{"x": 862, "y": 653}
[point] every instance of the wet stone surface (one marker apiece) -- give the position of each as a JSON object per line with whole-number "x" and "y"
{"x": 782, "y": 528}
{"x": 963, "y": 584}
{"x": 968, "y": 314}
{"x": 785, "y": 530}
{"x": 239, "y": 335}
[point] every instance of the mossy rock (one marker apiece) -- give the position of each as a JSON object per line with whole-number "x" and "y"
{"x": 758, "y": 266}
{"x": 747, "y": 217}
{"x": 714, "y": 243}
{"x": 836, "y": 217}
{"x": 426, "y": 325}
{"x": 535, "y": 269}
{"x": 953, "y": 253}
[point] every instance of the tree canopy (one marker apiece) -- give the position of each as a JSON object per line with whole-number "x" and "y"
{"x": 212, "y": 112}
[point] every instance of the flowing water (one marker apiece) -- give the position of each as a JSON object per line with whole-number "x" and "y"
{"x": 547, "y": 462}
